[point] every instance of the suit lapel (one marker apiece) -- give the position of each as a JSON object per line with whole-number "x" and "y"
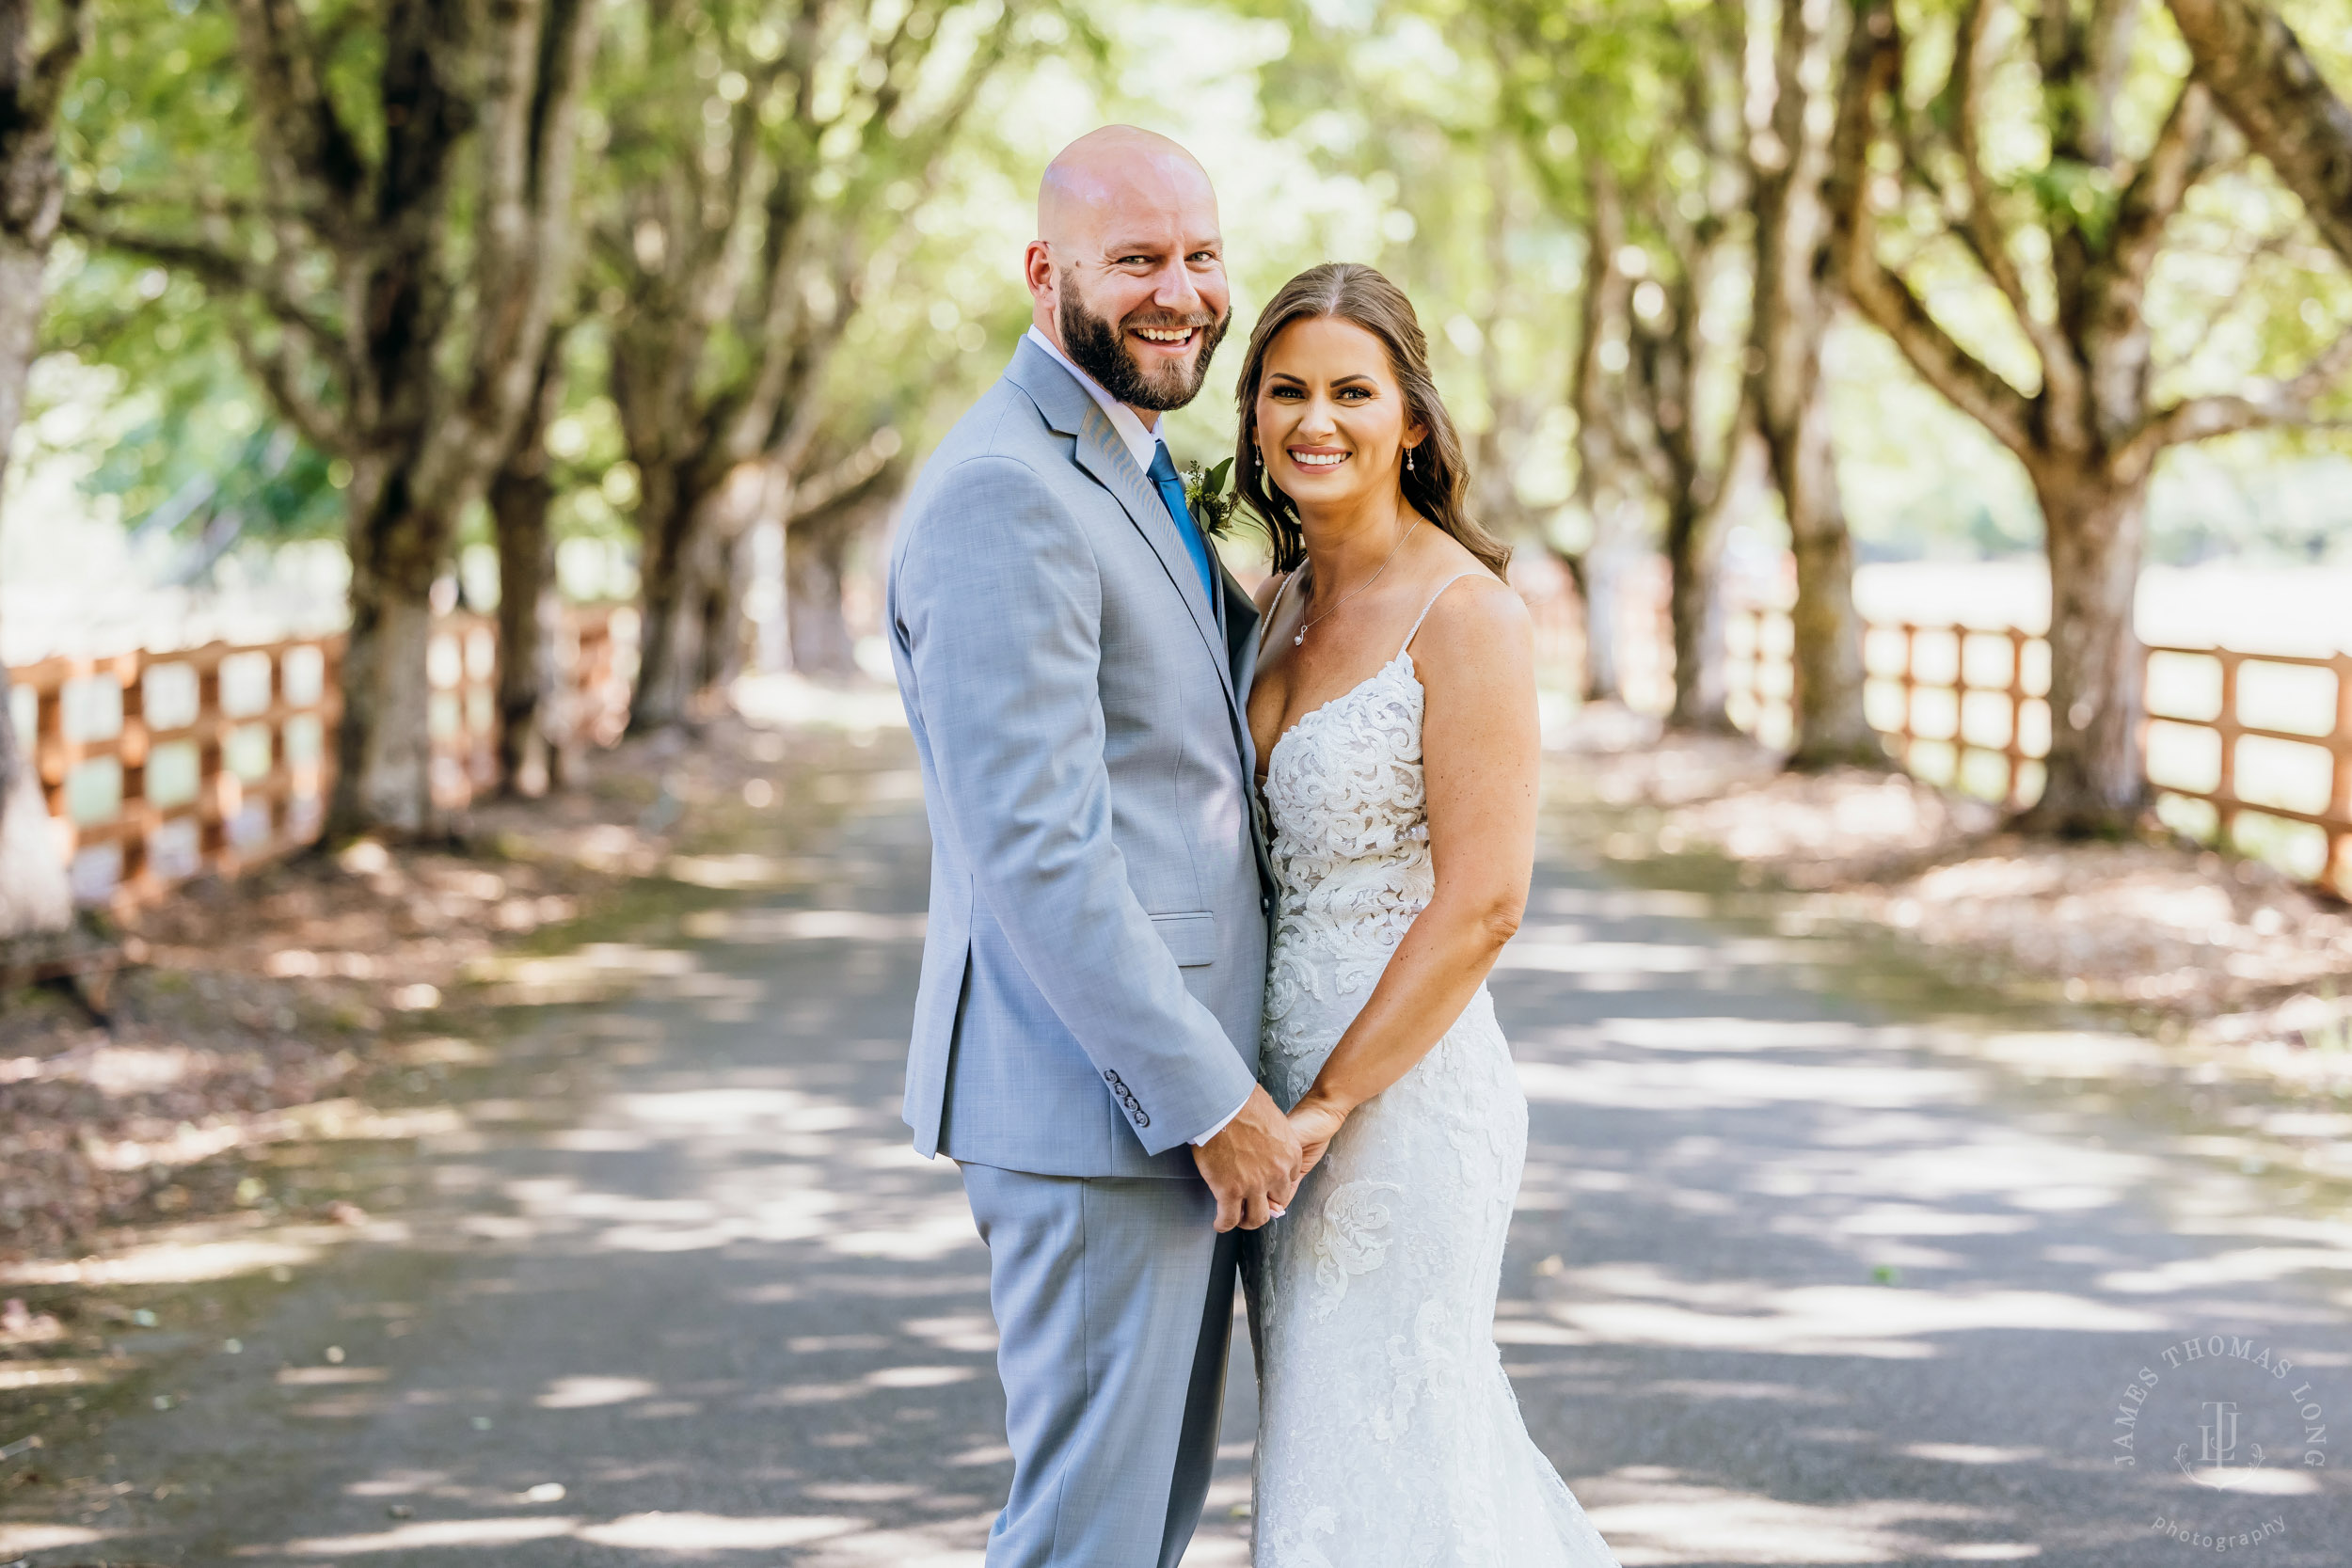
{"x": 1103, "y": 455}
{"x": 1067, "y": 409}
{"x": 1241, "y": 651}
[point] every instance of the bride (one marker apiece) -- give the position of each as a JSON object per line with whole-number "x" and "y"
{"x": 1394, "y": 716}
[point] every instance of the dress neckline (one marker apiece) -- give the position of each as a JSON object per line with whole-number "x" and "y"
{"x": 1330, "y": 703}
{"x": 1404, "y": 657}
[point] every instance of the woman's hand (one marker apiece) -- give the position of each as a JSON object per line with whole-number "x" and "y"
{"x": 1314, "y": 1119}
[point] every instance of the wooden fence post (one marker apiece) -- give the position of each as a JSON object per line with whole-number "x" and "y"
{"x": 2340, "y": 804}
{"x": 2014, "y": 752}
{"x": 132, "y": 748}
{"x": 1911, "y": 692}
{"x": 49, "y": 745}
{"x": 211, "y": 807}
{"x": 2225, "y": 724}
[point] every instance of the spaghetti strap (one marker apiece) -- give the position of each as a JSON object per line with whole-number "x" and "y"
{"x": 1427, "y": 607}
{"x": 1274, "y": 604}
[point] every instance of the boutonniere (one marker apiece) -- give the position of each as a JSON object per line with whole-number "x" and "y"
{"x": 1211, "y": 503}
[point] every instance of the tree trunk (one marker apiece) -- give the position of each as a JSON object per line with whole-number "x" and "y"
{"x": 530, "y": 611}
{"x": 1615, "y": 552}
{"x": 691, "y": 576}
{"x": 671, "y": 517}
{"x": 723, "y": 622}
{"x": 1695, "y": 548}
{"x": 1601, "y": 488}
{"x": 2097, "y": 782}
{"x": 35, "y": 894}
{"x": 816, "y": 560}
{"x": 34, "y": 891}
{"x": 1795, "y": 303}
{"x": 2264, "y": 80}
{"x": 1831, "y": 729}
{"x": 1699, "y": 495}
{"x": 669, "y": 661}
{"x": 384, "y": 747}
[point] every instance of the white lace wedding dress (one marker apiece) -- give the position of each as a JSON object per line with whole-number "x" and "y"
{"x": 1387, "y": 1435}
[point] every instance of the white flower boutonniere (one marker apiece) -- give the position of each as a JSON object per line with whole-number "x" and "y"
{"x": 1205, "y": 493}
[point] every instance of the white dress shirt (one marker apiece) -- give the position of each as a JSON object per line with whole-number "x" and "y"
{"x": 1142, "y": 444}
{"x": 1140, "y": 438}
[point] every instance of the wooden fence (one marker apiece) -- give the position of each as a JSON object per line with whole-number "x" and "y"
{"x": 2252, "y": 750}
{"x": 159, "y": 766}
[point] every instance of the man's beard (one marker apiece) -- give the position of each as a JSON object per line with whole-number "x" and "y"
{"x": 1099, "y": 349}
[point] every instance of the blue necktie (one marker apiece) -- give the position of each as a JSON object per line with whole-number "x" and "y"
{"x": 1173, "y": 492}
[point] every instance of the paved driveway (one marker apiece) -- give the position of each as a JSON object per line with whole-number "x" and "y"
{"x": 1813, "y": 1265}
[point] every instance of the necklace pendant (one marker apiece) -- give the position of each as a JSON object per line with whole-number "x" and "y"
{"x": 1299, "y": 641}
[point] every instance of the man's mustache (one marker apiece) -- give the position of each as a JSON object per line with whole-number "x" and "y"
{"x": 1166, "y": 322}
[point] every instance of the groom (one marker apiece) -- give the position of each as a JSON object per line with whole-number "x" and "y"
{"x": 1074, "y": 660}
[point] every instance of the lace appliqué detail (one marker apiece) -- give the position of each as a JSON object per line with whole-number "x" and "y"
{"x": 1351, "y": 846}
{"x": 1291, "y": 1546}
{"x": 1349, "y": 1239}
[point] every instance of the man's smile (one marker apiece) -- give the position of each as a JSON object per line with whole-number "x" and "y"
{"x": 1167, "y": 340}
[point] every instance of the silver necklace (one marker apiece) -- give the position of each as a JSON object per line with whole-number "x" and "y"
{"x": 1309, "y": 626}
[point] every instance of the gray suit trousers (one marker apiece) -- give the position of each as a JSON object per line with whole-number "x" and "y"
{"x": 1113, "y": 1303}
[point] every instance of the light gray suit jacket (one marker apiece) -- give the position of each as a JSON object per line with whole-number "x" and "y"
{"x": 1095, "y": 959}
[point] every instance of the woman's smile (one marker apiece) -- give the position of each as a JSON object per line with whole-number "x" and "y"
{"x": 1318, "y": 458}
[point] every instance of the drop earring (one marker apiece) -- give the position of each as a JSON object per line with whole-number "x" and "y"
{"x": 1408, "y": 460}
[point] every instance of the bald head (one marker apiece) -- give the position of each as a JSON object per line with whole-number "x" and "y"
{"x": 1127, "y": 273}
{"x": 1118, "y": 169}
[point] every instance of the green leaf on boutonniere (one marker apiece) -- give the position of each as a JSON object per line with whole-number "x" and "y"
{"x": 1204, "y": 491}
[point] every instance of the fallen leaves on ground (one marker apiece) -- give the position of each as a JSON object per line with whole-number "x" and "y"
{"x": 2230, "y": 946}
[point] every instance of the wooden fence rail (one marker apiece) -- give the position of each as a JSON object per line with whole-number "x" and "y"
{"x": 1969, "y": 706}
{"x": 159, "y": 766}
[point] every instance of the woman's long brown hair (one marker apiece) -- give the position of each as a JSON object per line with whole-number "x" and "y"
{"x": 1438, "y": 484}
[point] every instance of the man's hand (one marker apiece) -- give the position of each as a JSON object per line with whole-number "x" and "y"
{"x": 1252, "y": 1165}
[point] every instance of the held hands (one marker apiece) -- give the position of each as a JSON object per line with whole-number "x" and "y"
{"x": 1252, "y": 1167}
{"x": 1314, "y": 1119}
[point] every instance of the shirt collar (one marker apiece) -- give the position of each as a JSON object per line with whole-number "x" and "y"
{"x": 1140, "y": 442}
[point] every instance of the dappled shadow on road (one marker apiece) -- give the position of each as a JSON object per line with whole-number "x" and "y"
{"x": 725, "y": 1309}
{"x": 1801, "y": 1277}
{"x": 1813, "y": 1265}
{"x": 686, "y": 1292}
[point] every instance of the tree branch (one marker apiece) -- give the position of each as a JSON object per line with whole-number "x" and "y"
{"x": 1872, "y": 69}
{"x": 305, "y": 144}
{"x": 280, "y": 371}
{"x": 2262, "y": 406}
{"x": 54, "y": 67}
{"x": 540, "y": 53}
{"x": 2225, "y": 304}
{"x": 795, "y": 349}
{"x": 844, "y": 480}
{"x": 2061, "y": 376}
{"x": 2157, "y": 188}
{"x": 222, "y": 272}
{"x": 1888, "y": 304}
{"x": 2264, "y": 82}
